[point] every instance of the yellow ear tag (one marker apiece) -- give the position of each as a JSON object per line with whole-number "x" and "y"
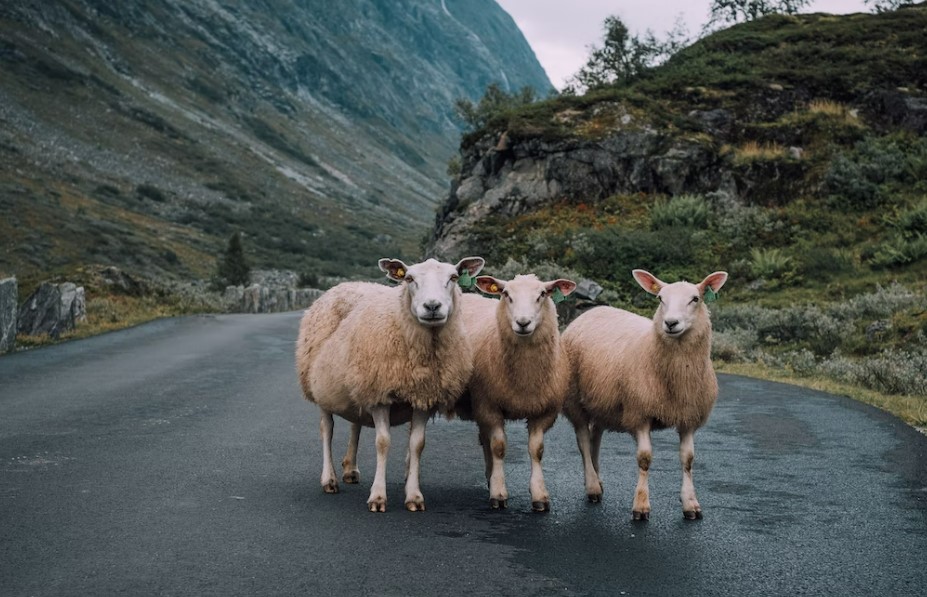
{"x": 400, "y": 273}
{"x": 494, "y": 288}
{"x": 655, "y": 288}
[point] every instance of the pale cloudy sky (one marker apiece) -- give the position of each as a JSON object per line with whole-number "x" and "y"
{"x": 561, "y": 31}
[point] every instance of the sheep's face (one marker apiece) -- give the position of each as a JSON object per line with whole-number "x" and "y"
{"x": 681, "y": 303}
{"x": 431, "y": 286}
{"x": 525, "y": 300}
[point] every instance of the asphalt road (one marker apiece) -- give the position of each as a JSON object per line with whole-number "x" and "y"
{"x": 178, "y": 458}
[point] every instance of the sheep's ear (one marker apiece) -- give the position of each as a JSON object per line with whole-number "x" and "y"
{"x": 565, "y": 286}
{"x": 648, "y": 281}
{"x": 714, "y": 281}
{"x": 490, "y": 285}
{"x": 394, "y": 268}
{"x": 471, "y": 265}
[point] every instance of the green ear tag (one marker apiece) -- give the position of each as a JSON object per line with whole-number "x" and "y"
{"x": 710, "y": 295}
{"x": 557, "y": 296}
{"x": 465, "y": 280}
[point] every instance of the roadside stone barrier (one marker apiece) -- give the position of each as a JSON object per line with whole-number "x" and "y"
{"x": 9, "y": 302}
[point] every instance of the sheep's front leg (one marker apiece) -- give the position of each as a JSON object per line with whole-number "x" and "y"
{"x": 690, "y": 507}
{"x": 540, "y": 499}
{"x": 377, "y": 500}
{"x": 349, "y": 464}
{"x": 641, "y": 508}
{"x": 590, "y": 471}
{"x": 498, "y": 494}
{"x": 326, "y": 430}
{"x": 414, "y": 499}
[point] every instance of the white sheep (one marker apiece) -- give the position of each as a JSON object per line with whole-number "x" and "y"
{"x": 380, "y": 356}
{"x": 633, "y": 374}
{"x": 519, "y": 372}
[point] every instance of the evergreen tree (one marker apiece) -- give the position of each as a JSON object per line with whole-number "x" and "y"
{"x": 232, "y": 268}
{"x": 735, "y": 11}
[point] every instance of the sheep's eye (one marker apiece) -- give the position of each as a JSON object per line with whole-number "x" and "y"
{"x": 454, "y": 277}
{"x": 694, "y": 299}
{"x": 541, "y": 297}
{"x": 409, "y": 279}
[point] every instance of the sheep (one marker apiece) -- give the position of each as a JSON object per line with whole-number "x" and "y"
{"x": 633, "y": 374}
{"x": 519, "y": 372}
{"x": 379, "y": 356}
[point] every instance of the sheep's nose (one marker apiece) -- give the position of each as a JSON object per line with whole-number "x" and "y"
{"x": 523, "y": 323}
{"x": 671, "y": 324}
{"x": 433, "y": 306}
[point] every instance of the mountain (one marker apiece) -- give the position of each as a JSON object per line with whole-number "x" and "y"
{"x": 143, "y": 134}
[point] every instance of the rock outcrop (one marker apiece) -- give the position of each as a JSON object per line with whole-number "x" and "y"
{"x": 52, "y": 309}
{"x": 8, "y": 314}
{"x": 507, "y": 177}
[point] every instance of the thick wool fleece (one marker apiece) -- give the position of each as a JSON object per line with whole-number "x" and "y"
{"x": 625, "y": 373}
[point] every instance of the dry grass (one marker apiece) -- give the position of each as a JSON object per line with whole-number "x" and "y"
{"x": 753, "y": 151}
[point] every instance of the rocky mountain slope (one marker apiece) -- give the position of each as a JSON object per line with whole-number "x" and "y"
{"x": 789, "y": 151}
{"x": 143, "y": 134}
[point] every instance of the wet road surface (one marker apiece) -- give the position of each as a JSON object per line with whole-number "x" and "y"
{"x": 178, "y": 458}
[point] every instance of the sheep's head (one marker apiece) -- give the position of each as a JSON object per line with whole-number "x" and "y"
{"x": 681, "y": 303}
{"x": 431, "y": 286}
{"x": 525, "y": 299}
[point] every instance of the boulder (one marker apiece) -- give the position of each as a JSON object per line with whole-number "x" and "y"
{"x": 52, "y": 309}
{"x": 8, "y": 314}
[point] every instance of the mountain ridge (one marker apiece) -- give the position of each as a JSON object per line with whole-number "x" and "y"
{"x": 142, "y": 135}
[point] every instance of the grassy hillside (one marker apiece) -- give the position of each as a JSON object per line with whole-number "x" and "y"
{"x": 822, "y": 134}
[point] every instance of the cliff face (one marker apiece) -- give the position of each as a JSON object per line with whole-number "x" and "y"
{"x": 505, "y": 176}
{"x": 142, "y": 134}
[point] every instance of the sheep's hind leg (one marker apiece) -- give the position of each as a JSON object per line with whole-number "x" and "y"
{"x": 326, "y": 429}
{"x": 498, "y": 494}
{"x": 415, "y": 502}
{"x": 590, "y": 471}
{"x": 641, "y": 508}
{"x": 349, "y": 463}
{"x": 487, "y": 453}
{"x": 540, "y": 498}
{"x": 690, "y": 506}
{"x": 377, "y": 500}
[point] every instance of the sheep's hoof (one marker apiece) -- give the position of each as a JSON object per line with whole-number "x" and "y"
{"x": 351, "y": 477}
{"x": 415, "y": 506}
{"x": 377, "y": 504}
{"x": 692, "y": 514}
{"x": 497, "y": 504}
{"x": 540, "y": 506}
{"x": 330, "y": 487}
{"x": 594, "y": 498}
{"x": 640, "y": 515}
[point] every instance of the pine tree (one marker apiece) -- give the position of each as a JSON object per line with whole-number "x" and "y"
{"x": 232, "y": 268}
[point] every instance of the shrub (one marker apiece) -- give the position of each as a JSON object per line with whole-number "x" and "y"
{"x": 901, "y": 250}
{"x": 769, "y": 263}
{"x": 684, "y": 210}
{"x": 891, "y": 371}
{"x": 150, "y": 192}
{"x": 867, "y": 176}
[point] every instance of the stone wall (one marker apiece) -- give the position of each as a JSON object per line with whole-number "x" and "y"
{"x": 8, "y": 313}
{"x": 268, "y": 299}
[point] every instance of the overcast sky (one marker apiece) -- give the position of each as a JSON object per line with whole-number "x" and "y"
{"x": 561, "y": 31}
